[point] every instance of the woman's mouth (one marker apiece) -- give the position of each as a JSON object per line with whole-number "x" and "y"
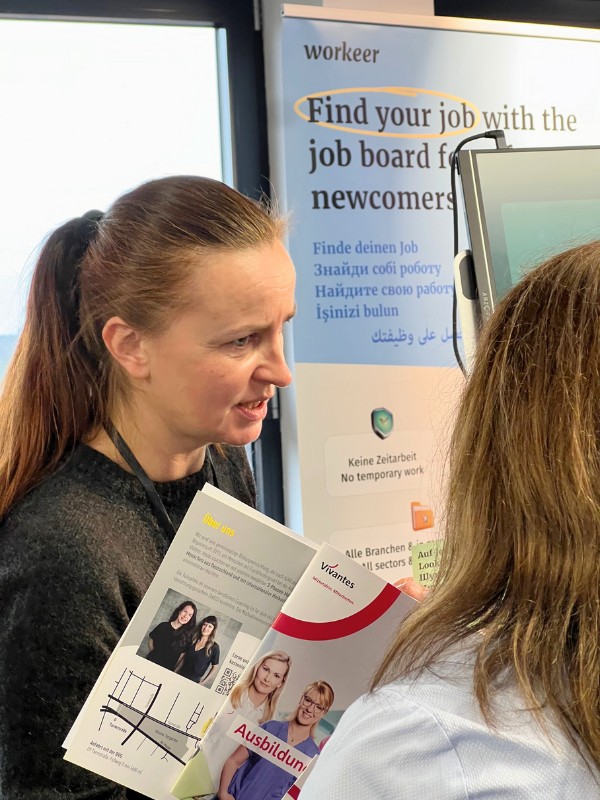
{"x": 253, "y": 404}
{"x": 254, "y": 410}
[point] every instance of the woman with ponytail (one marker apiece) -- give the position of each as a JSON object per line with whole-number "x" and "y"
{"x": 151, "y": 347}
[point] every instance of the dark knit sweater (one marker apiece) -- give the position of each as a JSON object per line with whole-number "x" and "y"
{"x": 77, "y": 555}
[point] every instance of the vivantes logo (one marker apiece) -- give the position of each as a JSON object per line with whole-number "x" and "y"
{"x": 331, "y": 569}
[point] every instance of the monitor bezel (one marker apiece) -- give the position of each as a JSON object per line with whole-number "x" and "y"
{"x": 477, "y": 220}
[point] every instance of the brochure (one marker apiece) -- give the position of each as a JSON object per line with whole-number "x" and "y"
{"x": 223, "y": 581}
{"x": 293, "y": 792}
{"x": 317, "y": 658}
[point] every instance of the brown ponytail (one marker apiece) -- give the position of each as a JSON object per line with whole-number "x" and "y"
{"x": 45, "y": 405}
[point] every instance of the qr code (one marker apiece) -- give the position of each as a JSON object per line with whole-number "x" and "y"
{"x": 227, "y": 682}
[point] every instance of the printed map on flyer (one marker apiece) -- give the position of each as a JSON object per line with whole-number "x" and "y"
{"x": 222, "y": 583}
{"x": 318, "y": 657}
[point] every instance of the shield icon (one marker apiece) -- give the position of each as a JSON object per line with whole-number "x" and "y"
{"x": 382, "y": 422}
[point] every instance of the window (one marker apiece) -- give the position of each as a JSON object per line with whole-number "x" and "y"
{"x": 91, "y": 110}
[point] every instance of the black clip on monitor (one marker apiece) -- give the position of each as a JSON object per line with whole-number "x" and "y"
{"x": 522, "y": 206}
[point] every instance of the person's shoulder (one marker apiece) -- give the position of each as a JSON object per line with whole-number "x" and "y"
{"x": 275, "y": 726}
{"x": 311, "y": 748}
{"x": 427, "y": 734}
{"x": 80, "y": 477}
{"x": 437, "y": 717}
{"x": 69, "y": 509}
{"x": 387, "y": 742}
{"x": 398, "y": 705}
{"x": 48, "y": 506}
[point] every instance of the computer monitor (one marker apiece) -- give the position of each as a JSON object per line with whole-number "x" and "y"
{"x": 523, "y": 206}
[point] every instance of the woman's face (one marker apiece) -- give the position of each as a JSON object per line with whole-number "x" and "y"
{"x": 311, "y": 708}
{"x": 269, "y": 676}
{"x": 210, "y": 375}
{"x": 185, "y": 615}
{"x": 207, "y": 628}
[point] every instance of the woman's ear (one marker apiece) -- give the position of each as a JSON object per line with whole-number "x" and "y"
{"x": 126, "y": 346}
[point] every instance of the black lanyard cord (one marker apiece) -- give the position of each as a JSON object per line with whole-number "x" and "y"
{"x": 137, "y": 469}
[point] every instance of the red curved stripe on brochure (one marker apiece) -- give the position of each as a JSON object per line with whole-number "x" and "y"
{"x": 337, "y": 629}
{"x": 293, "y": 792}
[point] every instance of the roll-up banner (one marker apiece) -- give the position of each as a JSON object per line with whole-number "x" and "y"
{"x": 371, "y": 109}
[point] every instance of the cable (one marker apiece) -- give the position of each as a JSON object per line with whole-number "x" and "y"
{"x": 500, "y": 139}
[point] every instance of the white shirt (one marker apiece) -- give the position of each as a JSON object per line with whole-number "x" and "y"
{"x": 426, "y": 739}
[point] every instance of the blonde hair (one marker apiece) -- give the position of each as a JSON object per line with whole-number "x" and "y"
{"x": 520, "y": 562}
{"x": 135, "y": 262}
{"x": 270, "y": 704}
{"x": 326, "y": 698}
